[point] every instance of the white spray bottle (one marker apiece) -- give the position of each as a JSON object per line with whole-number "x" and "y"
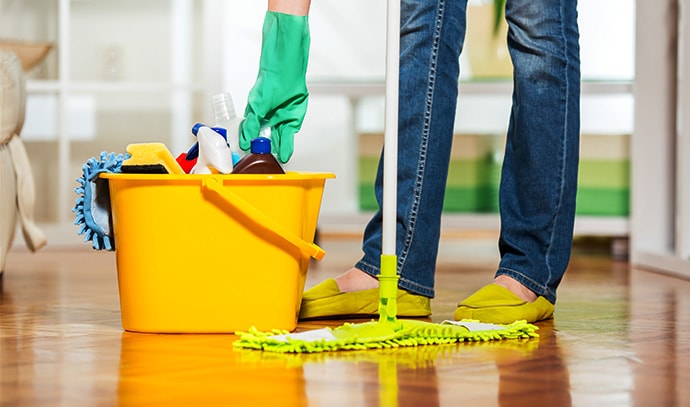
{"x": 214, "y": 153}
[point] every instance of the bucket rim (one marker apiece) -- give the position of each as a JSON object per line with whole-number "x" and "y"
{"x": 288, "y": 176}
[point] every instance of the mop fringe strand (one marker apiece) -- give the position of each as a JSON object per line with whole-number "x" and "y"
{"x": 406, "y": 333}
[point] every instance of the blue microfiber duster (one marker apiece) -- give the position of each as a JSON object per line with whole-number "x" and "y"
{"x": 92, "y": 208}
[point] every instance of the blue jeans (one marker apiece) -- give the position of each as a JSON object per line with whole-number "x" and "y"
{"x": 539, "y": 175}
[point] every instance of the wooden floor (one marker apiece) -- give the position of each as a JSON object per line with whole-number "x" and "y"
{"x": 620, "y": 337}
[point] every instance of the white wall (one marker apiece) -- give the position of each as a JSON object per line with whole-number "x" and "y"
{"x": 607, "y": 39}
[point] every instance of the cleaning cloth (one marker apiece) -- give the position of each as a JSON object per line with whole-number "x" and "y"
{"x": 92, "y": 208}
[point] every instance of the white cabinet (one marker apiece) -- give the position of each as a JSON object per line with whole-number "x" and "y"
{"x": 660, "y": 218}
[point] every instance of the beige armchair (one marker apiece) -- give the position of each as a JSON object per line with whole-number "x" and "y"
{"x": 17, "y": 191}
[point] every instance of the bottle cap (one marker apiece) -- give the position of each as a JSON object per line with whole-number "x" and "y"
{"x": 196, "y": 127}
{"x": 220, "y": 130}
{"x": 261, "y": 145}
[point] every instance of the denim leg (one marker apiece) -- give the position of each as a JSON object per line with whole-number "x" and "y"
{"x": 539, "y": 176}
{"x": 431, "y": 37}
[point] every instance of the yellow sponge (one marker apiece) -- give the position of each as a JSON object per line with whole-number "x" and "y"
{"x": 150, "y": 158}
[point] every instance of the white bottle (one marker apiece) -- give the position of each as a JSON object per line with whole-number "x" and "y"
{"x": 215, "y": 156}
{"x": 226, "y": 117}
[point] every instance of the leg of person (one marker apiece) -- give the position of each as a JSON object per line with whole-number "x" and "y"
{"x": 539, "y": 176}
{"x": 432, "y": 33}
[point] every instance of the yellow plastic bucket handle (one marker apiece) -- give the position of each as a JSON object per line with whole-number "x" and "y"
{"x": 215, "y": 185}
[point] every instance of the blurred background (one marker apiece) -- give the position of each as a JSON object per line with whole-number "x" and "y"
{"x": 124, "y": 71}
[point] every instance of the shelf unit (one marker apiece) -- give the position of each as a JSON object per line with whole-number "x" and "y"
{"x": 137, "y": 84}
{"x": 616, "y": 227}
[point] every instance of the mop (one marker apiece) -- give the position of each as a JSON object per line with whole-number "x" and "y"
{"x": 92, "y": 207}
{"x": 387, "y": 331}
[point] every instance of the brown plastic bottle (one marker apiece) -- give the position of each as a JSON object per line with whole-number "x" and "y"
{"x": 259, "y": 160}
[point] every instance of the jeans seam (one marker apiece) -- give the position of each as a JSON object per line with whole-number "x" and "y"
{"x": 564, "y": 150}
{"x": 419, "y": 181}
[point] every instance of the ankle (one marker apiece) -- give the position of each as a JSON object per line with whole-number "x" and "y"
{"x": 516, "y": 288}
{"x": 356, "y": 280}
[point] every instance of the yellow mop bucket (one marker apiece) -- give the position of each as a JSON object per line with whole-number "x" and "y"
{"x": 213, "y": 253}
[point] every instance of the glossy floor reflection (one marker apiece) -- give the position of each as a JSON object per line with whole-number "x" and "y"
{"x": 620, "y": 337}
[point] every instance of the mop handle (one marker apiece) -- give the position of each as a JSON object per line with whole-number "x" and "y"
{"x": 388, "y": 277}
{"x": 390, "y": 159}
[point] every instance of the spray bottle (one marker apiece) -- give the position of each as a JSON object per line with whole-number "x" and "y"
{"x": 214, "y": 156}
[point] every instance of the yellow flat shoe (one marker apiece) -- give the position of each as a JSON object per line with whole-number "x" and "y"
{"x": 496, "y": 304}
{"x": 325, "y": 300}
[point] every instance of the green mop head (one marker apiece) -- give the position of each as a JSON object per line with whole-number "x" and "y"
{"x": 378, "y": 335}
{"x": 386, "y": 332}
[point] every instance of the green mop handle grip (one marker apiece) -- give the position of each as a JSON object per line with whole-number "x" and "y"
{"x": 215, "y": 185}
{"x": 388, "y": 288}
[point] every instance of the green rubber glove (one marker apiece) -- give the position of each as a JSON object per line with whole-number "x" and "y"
{"x": 279, "y": 96}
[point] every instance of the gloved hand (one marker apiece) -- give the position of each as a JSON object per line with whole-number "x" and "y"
{"x": 279, "y": 96}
